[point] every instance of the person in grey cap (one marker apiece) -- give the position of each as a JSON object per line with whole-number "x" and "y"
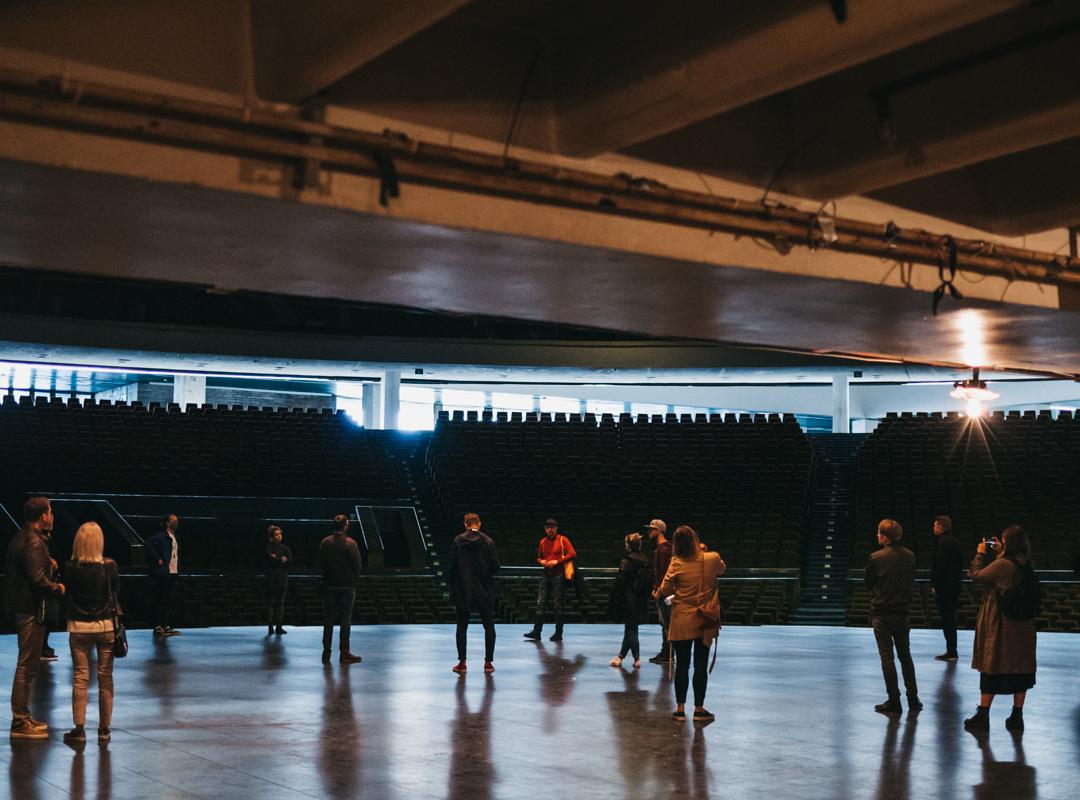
{"x": 553, "y": 553}
{"x": 657, "y": 529}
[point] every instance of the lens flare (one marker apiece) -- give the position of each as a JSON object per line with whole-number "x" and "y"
{"x": 972, "y": 329}
{"x": 973, "y": 408}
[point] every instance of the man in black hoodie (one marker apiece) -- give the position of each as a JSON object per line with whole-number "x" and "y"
{"x": 473, "y": 562}
{"x": 27, "y": 585}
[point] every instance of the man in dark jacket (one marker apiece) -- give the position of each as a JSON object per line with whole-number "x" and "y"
{"x": 891, "y": 577}
{"x": 339, "y": 563}
{"x": 163, "y": 558}
{"x": 27, "y": 585}
{"x": 945, "y": 571}
{"x": 657, "y": 531}
{"x": 473, "y": 562}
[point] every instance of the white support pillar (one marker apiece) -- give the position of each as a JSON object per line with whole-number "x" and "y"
{"x": 390, "y": 398}
{"x": 189, "y": 389}
{"x": 841, "y": 402}
{"x": 372, "y": 405}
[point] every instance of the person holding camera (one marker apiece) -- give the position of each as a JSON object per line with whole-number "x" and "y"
{"x": 945, "y": 571}
{"x": 891, "y": 577}
{"x": 1004, "y": 649}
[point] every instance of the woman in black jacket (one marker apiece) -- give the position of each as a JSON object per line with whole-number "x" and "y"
{"x": 277, "y": 559}
{"x": 629, "y": 601}
{"x": 93, "y": 583}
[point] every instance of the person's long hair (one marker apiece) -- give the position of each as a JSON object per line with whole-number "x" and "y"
{"x": 89, "y": 544}
{"x": 685, "y": 542}
{"x": 632, "y": 542}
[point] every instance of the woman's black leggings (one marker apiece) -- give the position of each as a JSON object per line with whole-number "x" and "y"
{"x": 275, "y": 606}
{"x": 630, "y": 642}
{"x": 682, "y": 670}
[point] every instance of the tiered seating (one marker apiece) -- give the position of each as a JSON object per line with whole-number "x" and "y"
{"x": 214, "y": 600}
{"x": 742, "y": 482}
{"x": 210, "y": 450}
{"x": 986, "y": 475}
{"x": 744, "y": 602}
{"x": 1060, "y": 612}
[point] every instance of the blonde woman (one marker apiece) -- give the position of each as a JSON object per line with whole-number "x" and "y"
{"x": 92, "y": 583}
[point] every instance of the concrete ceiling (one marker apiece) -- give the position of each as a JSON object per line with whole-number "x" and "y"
{"x": 820, "y": 99}
{"x": 129, "y": 228}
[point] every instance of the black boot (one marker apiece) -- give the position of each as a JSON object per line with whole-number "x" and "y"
{"x": 914, "y": 704}
{"x": 534, "y": 634}
{"x": 557, "y": 636}
{"x": 280, "y": 631}
{"x": 981, "y": 720}
{"x": 269, "y": 630}
{"x": 1015, "y": 722}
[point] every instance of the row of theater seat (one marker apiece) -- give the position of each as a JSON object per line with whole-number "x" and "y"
{"x": 128, "y": 448}
{"x": 745, "y": 487}
{"x": 985, "y": 474}
{"x": 1060, "y": 607}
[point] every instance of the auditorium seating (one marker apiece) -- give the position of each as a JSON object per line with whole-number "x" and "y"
{"x": 1060, "y": 607}
{"x": 986, "y": 474}
{"x": 207, "y": 450}
{"x": 742, "y": 482}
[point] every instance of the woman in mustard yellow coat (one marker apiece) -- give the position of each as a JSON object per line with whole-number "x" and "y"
{"x": 690, "y": 583}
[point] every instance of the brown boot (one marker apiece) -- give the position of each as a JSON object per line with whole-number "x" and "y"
{"x": 349, "y": 658}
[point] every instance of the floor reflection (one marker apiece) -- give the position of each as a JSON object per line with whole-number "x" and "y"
{"x": 894, "y": 776}
{"x": 556, "y": 681}
{"x": 472, "y": 772}
{"x": 1014, "y": 779}
{"x": 949, "y": 714}
{"x": 28, "y": 761}
{"x": 103, "y": 788}
{"x": 159, "y": 675}
{"x": 341, "y": 743}
{"x": 274, "y": 657}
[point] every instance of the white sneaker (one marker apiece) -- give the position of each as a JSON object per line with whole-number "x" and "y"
{"x": 615, "y": 662}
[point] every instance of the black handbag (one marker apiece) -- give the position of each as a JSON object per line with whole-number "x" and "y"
{"x": 120, "y": 642}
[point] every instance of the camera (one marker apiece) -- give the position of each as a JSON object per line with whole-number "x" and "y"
{"x": 990, "y": 543}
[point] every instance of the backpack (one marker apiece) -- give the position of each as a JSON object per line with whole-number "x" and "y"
{"x": 1023, "y": 600}
{"x": 643, "y": 580}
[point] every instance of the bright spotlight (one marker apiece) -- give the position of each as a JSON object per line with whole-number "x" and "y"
{"x": 974, "y": 393}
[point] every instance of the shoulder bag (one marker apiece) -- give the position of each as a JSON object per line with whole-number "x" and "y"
{"x": 120, "y": 642}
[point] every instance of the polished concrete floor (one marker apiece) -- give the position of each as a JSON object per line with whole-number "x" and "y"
{"x": 230, "y": 713}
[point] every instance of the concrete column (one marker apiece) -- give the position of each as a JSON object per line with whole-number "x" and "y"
{"x": 390, "y": 398}
{"x": 189, "y": 389}
{"x": 372, "y": 405}
{"x": 841, "y": 402}
{"x": 583, "y": 406}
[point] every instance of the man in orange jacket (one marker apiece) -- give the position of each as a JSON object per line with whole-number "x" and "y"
{"x": 552, "y": 554}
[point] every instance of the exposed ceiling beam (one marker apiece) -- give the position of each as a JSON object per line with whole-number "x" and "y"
{"x": 302, "y": 48}
{"x": 951, "y": 116}
{"x": 704, "y": 65}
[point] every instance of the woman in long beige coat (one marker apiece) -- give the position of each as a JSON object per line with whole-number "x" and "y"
{"x": 1004, "y": 650}
{"x": 695, "y": 616}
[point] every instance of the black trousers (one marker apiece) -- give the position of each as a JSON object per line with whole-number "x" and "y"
{"x": 487, "y": 618}
{"x": 947, "y": 609}
{"x": 275, "y": 606}
{"x": 682, "y": 670}
{"x": 892, "y": 631}
{"x": 163, "y": 592}
{"x": 630, "y": 642}
{"x": 338, "y": 604}
{"x": 553, "y": 588}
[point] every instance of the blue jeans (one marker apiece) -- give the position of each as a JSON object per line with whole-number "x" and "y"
{"x": 338, "y": 604}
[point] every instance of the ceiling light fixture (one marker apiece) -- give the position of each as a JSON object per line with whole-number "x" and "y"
{"x": 974, "y": 393}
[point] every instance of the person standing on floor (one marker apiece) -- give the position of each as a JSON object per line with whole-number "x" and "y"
{"x": 1004, "y": 649}
{"x": 657, "y": 530}
{"x": 695, "y": 616}
{"x": 338, "y": 562}
{"x": 629, "y": 601}
{"x": 27, "y": 585}
{"x": 52, "y": 605}
{"x": 163, "y": 556}
{"x": 945, "y": 571}
{"x": 277, "y": 559}
{"x": 473, "y": 563}
{"x": 553, "y": 553}
{"x": 93, "y": 586}
{"x": 891, "y": 578}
